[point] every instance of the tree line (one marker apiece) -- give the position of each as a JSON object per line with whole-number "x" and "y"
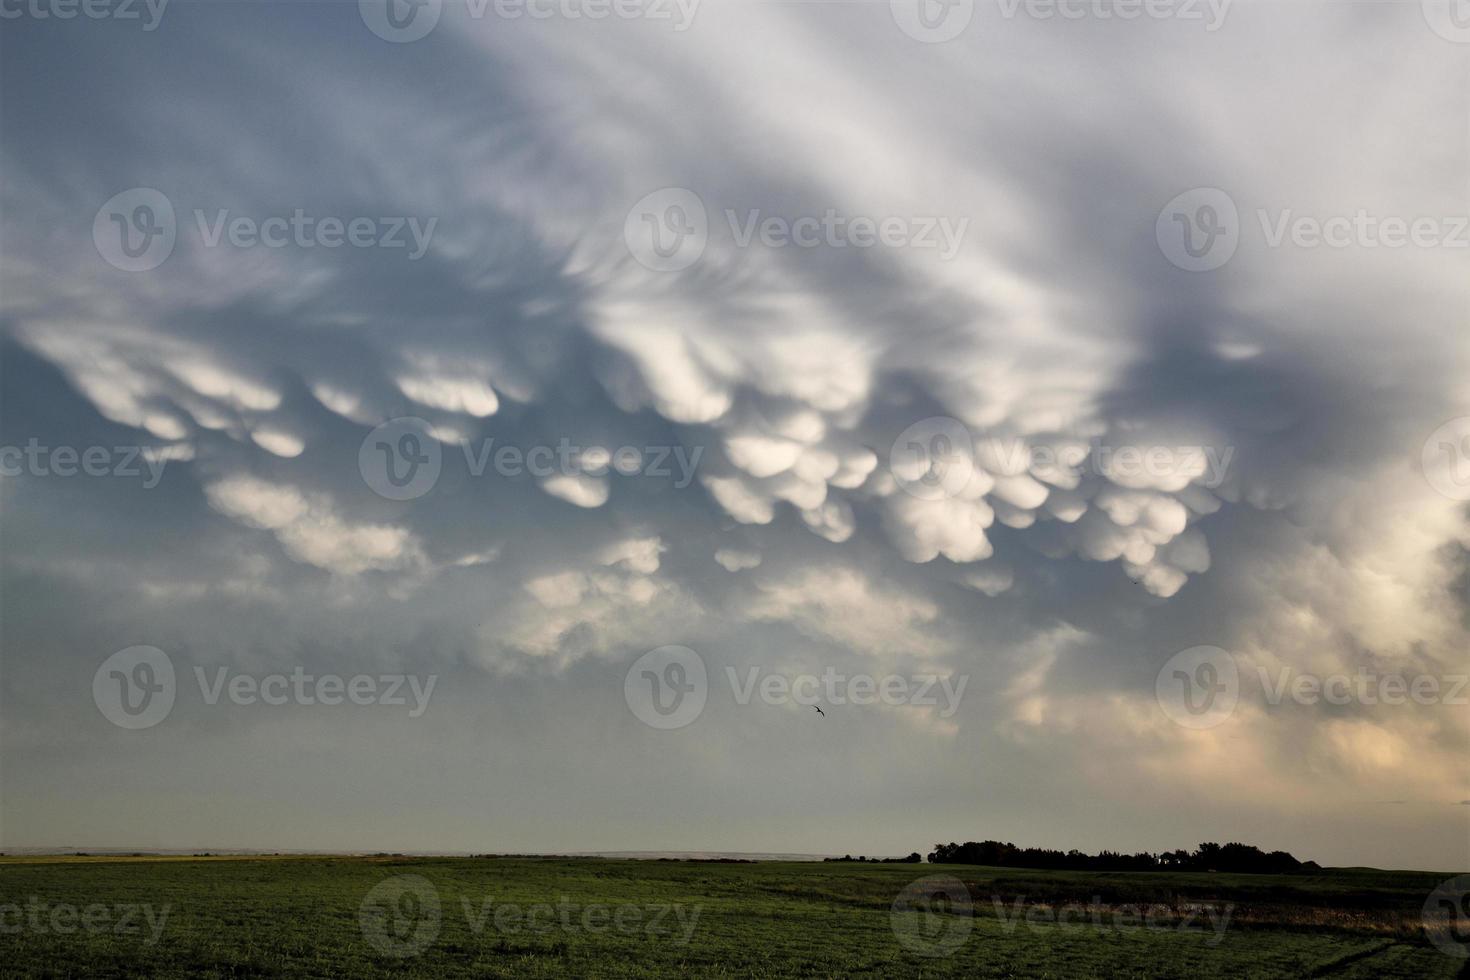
{"x": 1233, "y": 857}
{"x": 913, "y": 858}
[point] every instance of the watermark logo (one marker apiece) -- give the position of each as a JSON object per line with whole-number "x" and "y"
{"x": 932, "y": 21}
{"x": 1447, "y": 917}
{"x": 400, "y": 916}
{"x": 1445, "y": 458}
{"x": 1199, "y": 687}
{"x": 934, "y": 458}
{"x": 400, "y": 21}
{"x": 667, "y": 688}
{"x": 135, "y": 230}
{"x": 400, "y": 459}
{"x": 1450, "y": 19}
{"x": 1198, "y": 230}
{"x": 932, "y": 916}
{"x": 135, "y": 688}
{"x": 667, "y": 231}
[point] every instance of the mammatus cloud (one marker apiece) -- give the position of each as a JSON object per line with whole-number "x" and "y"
{"x": 733, "y": 560}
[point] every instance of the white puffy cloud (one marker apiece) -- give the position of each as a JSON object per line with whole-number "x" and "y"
{"x": 578, "y": 488}
{"x": 311, "y": 531}
{"x": 471, "y": 396}
{"x": 594, "y": 607}
{"x": 278, "y": 442}
{"x": 990, "y": 578}
{"x": 735, "y": 560}
{"x": 637, "y": 554}
{"x": 845, "y": 606}
{"x": 922, "y": 530}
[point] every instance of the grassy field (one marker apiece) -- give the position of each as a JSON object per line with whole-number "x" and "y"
{"x": 519, "y": 917}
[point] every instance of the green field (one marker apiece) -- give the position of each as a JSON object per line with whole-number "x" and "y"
{"x": 517, "y": 917}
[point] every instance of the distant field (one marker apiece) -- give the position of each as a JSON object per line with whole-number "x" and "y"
{"x": 519, "y": 917}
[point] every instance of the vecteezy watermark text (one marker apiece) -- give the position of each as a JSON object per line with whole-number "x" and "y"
{"x": 310, "y": 231}
{"x": 63, "y": 919}
{"x": 837, "y": 688}
{"x": 299, "y": 687}
{"x": 405, "y": 21}
{"x": 403, "y": 459}
{"x": 668, "y": 688}
{"x": 128, "y": 462}
{"x": 1209, "y": 12}
{"x": 567, "y": 459}
{"x": 402, "y": 916}
{"x": 137, "y": 230}
{"x": 1200, "y": 687}
{"x": 834, "y": 230}
{"x": 148, "y": 12}
{"x": 939, "y": 457}
{"x": 135, "y": 688}
{"x": 1363, "y": 687}
{"x": 934, "y": 916}
{"x": 937, "y": 21}
{"x": 669, "y": 230}
{"x": 1201, "y": 229}
{"x": 1102, "y": 916}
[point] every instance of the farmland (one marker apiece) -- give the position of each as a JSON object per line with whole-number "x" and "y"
{"x": 376, "y": 916}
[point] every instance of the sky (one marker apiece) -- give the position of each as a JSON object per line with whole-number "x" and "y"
{"x": 499, "y": 427}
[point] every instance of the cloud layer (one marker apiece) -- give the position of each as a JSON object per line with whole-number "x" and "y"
{"x": 1042, "y": 454}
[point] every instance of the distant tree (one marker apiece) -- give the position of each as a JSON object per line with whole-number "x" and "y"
{"x": 1231, "y": 857}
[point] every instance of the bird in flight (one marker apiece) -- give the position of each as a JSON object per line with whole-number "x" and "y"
{"x": 820, "y": 711}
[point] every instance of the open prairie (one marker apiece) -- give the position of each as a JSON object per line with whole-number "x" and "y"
{"x": 517, "y": 917}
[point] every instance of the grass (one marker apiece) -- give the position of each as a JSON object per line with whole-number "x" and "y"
{"x": 320, "y": 917}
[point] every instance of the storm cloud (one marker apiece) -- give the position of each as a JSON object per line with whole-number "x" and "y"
{"x": 783, "y": 332}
